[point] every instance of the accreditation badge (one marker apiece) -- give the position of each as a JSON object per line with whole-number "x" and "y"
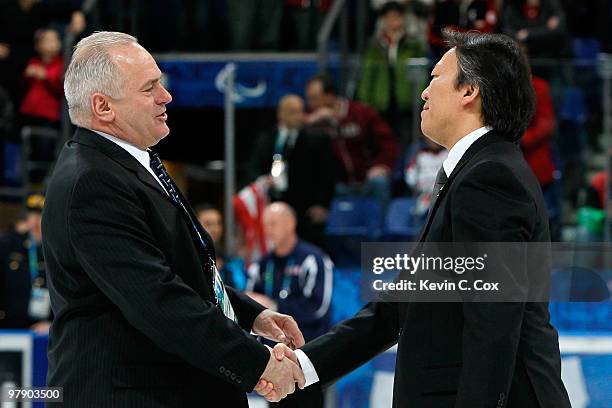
{"x": 40, "y": 304}
{"x": 222, "y": 299}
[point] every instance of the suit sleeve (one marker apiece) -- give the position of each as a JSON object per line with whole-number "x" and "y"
{"x": 111, "y": 239}
{"x": 353, "y": 342}
{"x": 261, "y": 159}
{"x": 490, "y": 205}
{"x": 246, "y": 308}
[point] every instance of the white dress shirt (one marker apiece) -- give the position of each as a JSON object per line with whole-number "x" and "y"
{"x": 458, "y": 150}
{"x": 454, "y": 155}
{"x": 142, "y": 156}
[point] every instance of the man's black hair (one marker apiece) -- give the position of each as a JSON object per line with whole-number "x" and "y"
{"x": 497, "y": 65}
{"x": 328, "y": 84}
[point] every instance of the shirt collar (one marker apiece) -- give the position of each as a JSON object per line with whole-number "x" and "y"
{"x": 141, "y": 155}
{"x": 458, "y": 150}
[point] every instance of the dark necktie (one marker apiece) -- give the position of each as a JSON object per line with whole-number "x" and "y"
{"x": 441, "y": 179}
{"x": 162, "y": 175}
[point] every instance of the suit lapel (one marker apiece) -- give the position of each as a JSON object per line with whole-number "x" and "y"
{"x": 484, "y": 141}
{"x": 118, "y": 154}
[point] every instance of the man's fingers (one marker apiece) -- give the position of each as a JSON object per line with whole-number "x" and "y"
{"x": 264, "y": 387}
{"x": 272, "y": 396}
{"x": 294, "y": 332}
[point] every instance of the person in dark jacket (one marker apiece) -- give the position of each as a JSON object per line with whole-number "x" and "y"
{"x": 300, "y": 167}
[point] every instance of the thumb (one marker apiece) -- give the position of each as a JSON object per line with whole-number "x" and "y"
{"x": 279, "y": 352}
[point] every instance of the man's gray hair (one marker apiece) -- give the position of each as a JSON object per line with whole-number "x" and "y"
{"x": 91, "y": 70}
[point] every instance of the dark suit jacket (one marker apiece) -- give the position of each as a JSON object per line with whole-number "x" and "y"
{"x": 135, "y": 320}
{"x": 467, "y": 355}
{"x": 310, "y": 164}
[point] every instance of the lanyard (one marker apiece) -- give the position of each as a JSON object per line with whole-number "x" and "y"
{"x": 33, "y": 259}
{"x": 269, "y": 279}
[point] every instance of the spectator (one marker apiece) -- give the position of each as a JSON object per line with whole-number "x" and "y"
{"x": 19, "y": 21}
{"x": 303, "y": 19}
{"x": 24, "y": 297}
{"x": 462, "y": 15}
{"x": 294, "y": 278}
{"x": 299, "y": 165}
{"x": 254, "y": 24}
{"x": 537, "y": 147}
{"x": 41, "y": 105}
{"x": 539, "y": 24}
{"x": 230, "y": 268}
{"x": 536, "y": 142}
{"x": 416, "y": 15}
{"x": 365, "y": 147}
{"x": 385, "y": 83}
{"x": 419, "y": 172}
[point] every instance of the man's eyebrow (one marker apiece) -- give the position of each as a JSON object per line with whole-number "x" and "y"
{"x": 149, "y": 83}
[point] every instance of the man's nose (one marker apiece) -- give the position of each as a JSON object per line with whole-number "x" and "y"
{"x": 165, "y": 96}
{"x": 425, "y": 94}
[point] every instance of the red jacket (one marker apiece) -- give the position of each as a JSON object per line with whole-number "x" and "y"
{"x": 536, "y": 140}
{"x": 361, "y": 139}
{"x": 43, "y": 99}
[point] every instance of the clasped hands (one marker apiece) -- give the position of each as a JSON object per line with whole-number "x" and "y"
{"x": 281, "y": 374}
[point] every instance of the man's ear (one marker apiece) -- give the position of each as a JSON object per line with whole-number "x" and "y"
{"x": 101, "y": 108}
{"x": 470, "y": 94}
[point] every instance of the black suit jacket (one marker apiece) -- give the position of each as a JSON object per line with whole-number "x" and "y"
{"x": 311, "y": 168}
{"x": 135, "y": 320}
{"x": 464, "y": 355}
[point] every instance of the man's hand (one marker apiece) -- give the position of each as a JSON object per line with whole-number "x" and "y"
{"x": 279, "y": 378}
{"x": 278, "y": 327}
{"x": 266, "y": 388}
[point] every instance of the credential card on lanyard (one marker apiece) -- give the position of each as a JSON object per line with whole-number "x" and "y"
{"x": 222, "y": 298}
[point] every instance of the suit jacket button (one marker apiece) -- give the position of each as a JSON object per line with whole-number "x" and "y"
{"x": 228, "y": 373}
{"x": 221, "y": 369}
{"x": 239, "y": 380}
{"x": 233, "y": 376}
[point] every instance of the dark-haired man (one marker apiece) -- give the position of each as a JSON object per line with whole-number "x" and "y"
{"x": 464, "y": 355}
{"x": 363, "y": 142}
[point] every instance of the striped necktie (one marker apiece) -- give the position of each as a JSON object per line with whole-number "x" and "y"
{"x": 223, "y": 301}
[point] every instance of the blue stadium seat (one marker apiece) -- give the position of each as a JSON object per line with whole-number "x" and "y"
{"x": 354, "y": 216}
{"x": 586, "y": 49}
{"x": 352, "y": 220}
{"x": 401, "y": 223}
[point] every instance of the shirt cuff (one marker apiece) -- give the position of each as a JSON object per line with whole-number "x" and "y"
{"x": 310, "y": 374}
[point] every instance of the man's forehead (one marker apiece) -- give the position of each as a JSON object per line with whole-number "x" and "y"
{"x": 446, "y": 60}
{"x": 131, "y": 54}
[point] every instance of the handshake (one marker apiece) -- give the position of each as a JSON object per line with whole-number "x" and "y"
{"x": 281, "y": 374}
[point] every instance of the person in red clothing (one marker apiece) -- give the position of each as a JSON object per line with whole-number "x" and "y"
{"x": 41, "y": 105}
{"x": 364, "y": 145}
{"x": 535, "y": 143}
{"x": 538, "y": 150}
